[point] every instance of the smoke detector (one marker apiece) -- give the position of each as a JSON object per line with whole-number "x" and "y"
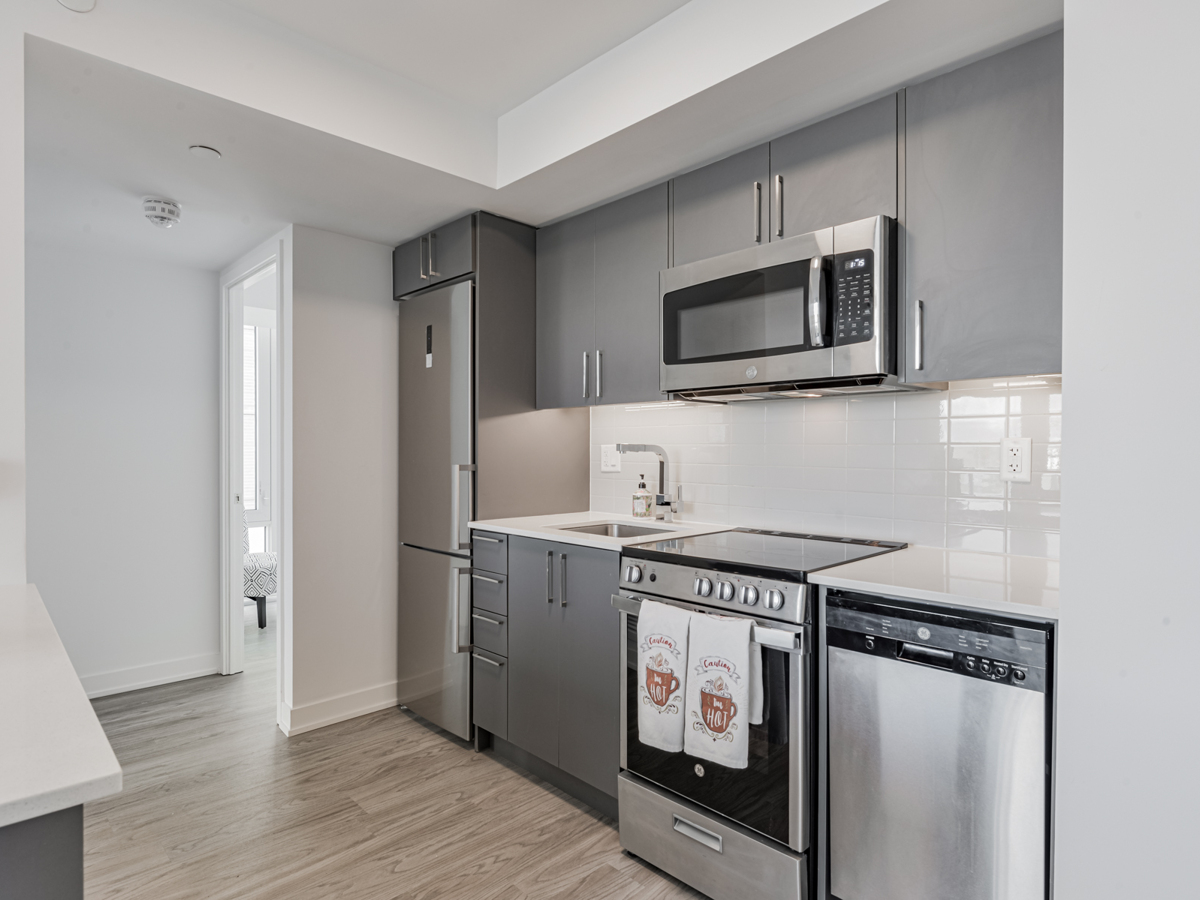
{"x": 163, "y": 213}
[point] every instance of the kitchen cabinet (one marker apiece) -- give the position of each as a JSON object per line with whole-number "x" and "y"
{"x": 597, "y": 303}
{"x": 564, "y": 658}
{"x": 836, "y": 171}
{"x": 984, "y": 179}
{"x": 722, "y": 207}
{"x": 437, "y": 256}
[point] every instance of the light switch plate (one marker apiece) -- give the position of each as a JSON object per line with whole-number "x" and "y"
{"x": 610, "y": 459}
{"x": 1016, "y": 458}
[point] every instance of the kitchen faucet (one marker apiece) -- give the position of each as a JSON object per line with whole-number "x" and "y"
{"x": 664, "y": 506}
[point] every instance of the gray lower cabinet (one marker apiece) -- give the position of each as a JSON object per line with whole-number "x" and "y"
{"x": 836, "y": 171}
{"x": 597, "y": 303}
{"x": 722, "y": 207}
{"x": 439, "y": 255}
{"x": 489, "y": 689}
{"x": 564, "y": 658}
{"x": 984, "y": 217}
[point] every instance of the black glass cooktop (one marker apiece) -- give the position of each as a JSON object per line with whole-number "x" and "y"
{"x": 751, "y": 551}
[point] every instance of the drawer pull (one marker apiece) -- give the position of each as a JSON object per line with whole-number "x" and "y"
{"x": 492, "y": 662}
{"x": 487, "y": 619}
{"x": 480, "y": 537}
{"x": 700, "y": 835}
{"x": 485, "y": 578}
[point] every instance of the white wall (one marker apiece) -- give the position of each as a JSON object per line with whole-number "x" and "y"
{"x": 345, "y": 446}
{"x": 1129, "y": 713}
{"x": 121, "y": 364}
{"x": 920, "y": 468}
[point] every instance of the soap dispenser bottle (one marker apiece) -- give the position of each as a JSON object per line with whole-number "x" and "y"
{"x": 643, "y": 500}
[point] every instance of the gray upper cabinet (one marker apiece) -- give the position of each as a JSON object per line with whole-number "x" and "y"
{"x": 597, "y": 303}
{"x": 719, "y": 209}
{"x": 444, "y": 253}
{"x": 631, "y": 249}
{"x": 836, "y": 171}
{"x": 566, "y": 318}
{"x": 984, "y": 217}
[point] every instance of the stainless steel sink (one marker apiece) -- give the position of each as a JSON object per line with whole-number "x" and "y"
{"x": 615, "y": 529}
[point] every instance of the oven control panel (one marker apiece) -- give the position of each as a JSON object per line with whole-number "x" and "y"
{"x": 854, "y": 297}
{"x": 765, "y": 598}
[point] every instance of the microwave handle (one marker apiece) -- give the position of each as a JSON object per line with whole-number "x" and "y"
{"x": 816, "y": 318}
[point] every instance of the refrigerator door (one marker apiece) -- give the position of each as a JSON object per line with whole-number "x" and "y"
{"x": 434, "y": 678}
{"x": 437, "y": 446}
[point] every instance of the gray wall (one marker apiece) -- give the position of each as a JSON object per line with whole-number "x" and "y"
{"x": 122, "y": 358}
{"x": 345, "y": 428}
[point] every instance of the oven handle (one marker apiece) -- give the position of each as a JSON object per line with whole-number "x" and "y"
{"x": 775, "y": 638}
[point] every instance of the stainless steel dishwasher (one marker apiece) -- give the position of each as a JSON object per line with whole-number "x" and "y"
{"x": 938, "y": 752}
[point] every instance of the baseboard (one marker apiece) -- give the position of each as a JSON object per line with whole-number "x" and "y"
{"x": 138, "y": 677}
{"x": 295, "y": 720}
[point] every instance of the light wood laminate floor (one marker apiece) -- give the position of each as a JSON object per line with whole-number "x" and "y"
{"x": 219, "y": 804}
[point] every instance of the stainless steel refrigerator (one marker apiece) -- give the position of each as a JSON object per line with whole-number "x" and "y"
{"x": 472, "y": 444}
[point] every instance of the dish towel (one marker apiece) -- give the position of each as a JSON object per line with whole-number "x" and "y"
{"x": 662, "y": 634}
{"x": 718, "y": 690}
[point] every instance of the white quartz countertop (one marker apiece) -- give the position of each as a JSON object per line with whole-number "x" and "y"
{"x": 1021, "y": 585}
{"x": 545, "y": 528}
{"x": 53, "y": 752}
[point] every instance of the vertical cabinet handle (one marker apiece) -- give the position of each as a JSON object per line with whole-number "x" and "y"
{"x": 599, "y": 374}
{"x": 778, "y": 211}
{"x": 758, "y": 212}
{"x": 432, "y": 245}
{"x": 585, "y": 380}
{"x": 424, "y": 252}
{"x": 562, "y": 580}
{"x": 549, "y": 576}
{"x": 919, "y": 337}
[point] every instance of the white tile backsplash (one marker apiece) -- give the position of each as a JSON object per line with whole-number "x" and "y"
{"x": 923, "y": 468}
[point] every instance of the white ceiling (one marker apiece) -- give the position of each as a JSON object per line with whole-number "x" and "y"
{"x": 490, "y": 54}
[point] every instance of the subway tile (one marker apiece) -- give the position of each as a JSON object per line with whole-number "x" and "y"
{"x": 783, "y": 432}
{"x": 975, "y": 484}
{"x": 866, "y": 504}
{"x": 1035, "y": 515}
{"x": 919, "y": 508}
{"x": 1047, "y": 458}
{"x": 913, "y": 531}
{"x": 869, "y": 528}
{"x": 825, "y": 502}
{"x": 975, "y": 457}
{"x": 824, "y": 455}
{"x": 870, "y": 456}
{"x": 1036, "y": 427}
{"x": 1035, "y": 401}
{"x": 876, "y": 481}
{"x": 978, "y": 430}
{"x": 871, "y": 432}
{"x": 713, "y": 494}
{"x": 784, "y": 454}
{"x": 823, "y": 479}
{"x": 977, "y": 538}
{"x": 745, "y": 495}
{"x": 971, "y": 511}
{"x": 1025, "y": 542}
{"x": 921, "y": 431}
{"x": 978, "y": 403}
{"x": 932, "y": 405}
{"x": 866, "y": 409}
{"x": 746, "y": 454}
{"x": 820, "y": 523}
{"x": 830, "y": 409}
{"x": 825, "y": 432}
{"x": 927, "y": 482}
{"x": 747, "y": 433}
{"x": 922, "y": 456}
{"x": 1041, "y": 486}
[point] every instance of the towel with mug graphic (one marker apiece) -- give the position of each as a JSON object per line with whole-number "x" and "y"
{"x": 718, "y": 690}
{"x": 662, "y": 636}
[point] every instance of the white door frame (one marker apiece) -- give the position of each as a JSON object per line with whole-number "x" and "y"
{"x": 274, "y": 251}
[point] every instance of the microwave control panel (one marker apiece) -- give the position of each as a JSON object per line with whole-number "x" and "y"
{"x": 854, "y": 297}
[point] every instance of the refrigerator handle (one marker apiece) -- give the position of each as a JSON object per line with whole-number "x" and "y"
{"x": 456, "y": 612}
{"x": 456, "y": 470}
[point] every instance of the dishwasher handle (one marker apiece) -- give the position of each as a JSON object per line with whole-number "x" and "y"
{"x": 925, "y": 656}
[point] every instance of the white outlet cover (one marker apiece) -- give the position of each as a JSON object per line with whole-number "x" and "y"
{"x": 610, "y": 459}
{"x": 1016, "y": 459}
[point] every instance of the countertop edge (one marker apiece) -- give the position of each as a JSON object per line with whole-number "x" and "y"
{"x": 62, "y": 798}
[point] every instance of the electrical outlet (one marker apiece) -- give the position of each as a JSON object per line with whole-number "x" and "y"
{"x": 1016, "y": 456}
{"x": 610, "y": 459}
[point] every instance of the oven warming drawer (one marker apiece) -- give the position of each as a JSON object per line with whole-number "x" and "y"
{"x": 710, "y": 853}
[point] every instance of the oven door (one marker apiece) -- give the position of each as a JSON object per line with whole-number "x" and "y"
{"x": 770, "y": 795}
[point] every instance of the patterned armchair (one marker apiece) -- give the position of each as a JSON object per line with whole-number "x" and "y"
{"x": 260, "y": 575}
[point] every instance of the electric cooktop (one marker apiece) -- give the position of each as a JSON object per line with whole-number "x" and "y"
{"x": 752, "y": 551}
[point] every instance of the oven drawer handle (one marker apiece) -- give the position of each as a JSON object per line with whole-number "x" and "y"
{"x": 709, "y": 839}
{"x": 775, "y": 638}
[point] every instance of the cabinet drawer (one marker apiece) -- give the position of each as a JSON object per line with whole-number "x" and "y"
{"x": 489, "y": 551}
{"x": 489, "y": 679}
{"x": 490, "y": 631}
{"x": 489, "y": 591}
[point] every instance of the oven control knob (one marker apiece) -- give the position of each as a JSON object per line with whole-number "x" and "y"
{"x": 724, "y": 591}
{"x": 774, "y": 599}
{"x": 748, "y": 595}
{"x": 702, "y": 587}
{"x": 633, "y": 574}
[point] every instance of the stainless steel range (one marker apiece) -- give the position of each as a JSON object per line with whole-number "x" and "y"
{"x": 731, "y": 832}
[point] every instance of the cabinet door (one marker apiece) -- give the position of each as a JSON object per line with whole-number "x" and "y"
{"x": 408, "y": 265}
{"x": 566, "y": 327}
{"x": 590, "y": 664}
{"x": 837, "y": 171}
{"x": 984, "y": 216}
{"x": 631, "y": 248}
{"x": 714, "y": 207}
{"x": 452, "y": 250}
{"x": 534, "y": 626}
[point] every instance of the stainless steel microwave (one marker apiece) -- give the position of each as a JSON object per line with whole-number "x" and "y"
{"x": 806, "y": 316}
